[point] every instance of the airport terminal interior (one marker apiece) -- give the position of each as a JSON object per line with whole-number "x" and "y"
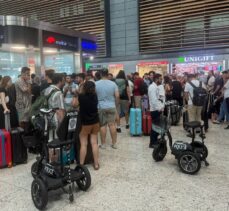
{"x": 114, "y": 105}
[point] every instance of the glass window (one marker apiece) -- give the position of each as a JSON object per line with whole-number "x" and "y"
{"x": 219, "y": 20}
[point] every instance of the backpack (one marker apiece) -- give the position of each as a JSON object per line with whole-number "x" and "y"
{"x": 143, "y": 88}
{"x": 41, "y": 102}
{"x": 199, "y": 95}
{"x": 121, "y": 83}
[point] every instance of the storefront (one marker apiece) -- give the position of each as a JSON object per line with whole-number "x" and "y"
{"x": 41, "y": 46}
{"x": 159, "y": 67}
{"x": 115, "y": 68}
{"x": 198, "y": 64}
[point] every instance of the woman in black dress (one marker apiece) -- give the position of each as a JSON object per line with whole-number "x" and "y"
{"x": 6, "y": 103}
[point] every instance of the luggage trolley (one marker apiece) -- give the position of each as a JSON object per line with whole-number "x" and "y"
{"x": 188, "y": 155}
{"x": 51, "y": 176}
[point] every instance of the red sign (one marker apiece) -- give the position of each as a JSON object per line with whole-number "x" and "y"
{"x": 51, "y": 40}
{"x": 152, "y": 63}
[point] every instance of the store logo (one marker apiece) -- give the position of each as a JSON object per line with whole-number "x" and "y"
{"x": 196, "y": 59}
{"x": 52, "y": 40}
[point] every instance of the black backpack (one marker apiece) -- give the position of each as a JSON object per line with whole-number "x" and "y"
{"x": 199, "y": 95}
{"x": 143, "y": 88}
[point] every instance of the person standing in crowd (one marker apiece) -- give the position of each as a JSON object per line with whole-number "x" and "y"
{"x": 193, "y": 110}
{"x": 156, "y": 106}
{"x": 69, "y": 90}
{"x": 224, "y": 110}
{"x": 125, "y": 100}
{"x": 97, "y": 76}
{"x": 36, "y": 88}
{"x": 210, "y": 81}
{"x": 131, "y": 87}
{"x": 146, "y": 79}
{"x": 6, "y": 104}
{"x": 89, "y": 76}
{"x": 151, "y": 75}
{"x": 89, "y": 116}
{"x": 111, "y": 77}
{"x": 80, "y": 81}
{"x": 218, "y": 85}
{"x": 48, "y": 79}
{"x": 168, "y": 88}
{"x": 108, "y": 95}
{"x": 23, "y": 97}
{"x": 56, "y": 100}
{"x": 137, "y": 94}
{"x": 177, "y": 90}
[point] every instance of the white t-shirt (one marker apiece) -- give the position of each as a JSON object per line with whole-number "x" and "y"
{"x": 188, "y": 88}
{"x": 154, "y": 99}
{"x": 226, "y": 90}
{"x": 211, "y": 83}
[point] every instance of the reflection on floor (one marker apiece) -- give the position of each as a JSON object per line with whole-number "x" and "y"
{"x": 129, "y": 179}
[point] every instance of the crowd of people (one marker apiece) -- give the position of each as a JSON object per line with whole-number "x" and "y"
{"x": 102, "y": 100}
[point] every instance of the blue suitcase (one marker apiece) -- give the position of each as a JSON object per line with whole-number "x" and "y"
{"x": 135, "y": 122}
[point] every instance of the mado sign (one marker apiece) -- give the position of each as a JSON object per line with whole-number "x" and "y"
{"x": 196, "y": 59}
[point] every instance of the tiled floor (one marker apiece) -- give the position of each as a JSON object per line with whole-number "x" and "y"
{"x": 129, "y": 179}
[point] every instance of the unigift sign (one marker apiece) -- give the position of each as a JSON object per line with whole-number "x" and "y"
{"x": 196, "y": 59}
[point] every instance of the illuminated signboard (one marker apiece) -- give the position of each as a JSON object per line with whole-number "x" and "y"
{"x": 88, "y": 46}
{"x": 60, "y": 41}
{"x": 196, "y": 59}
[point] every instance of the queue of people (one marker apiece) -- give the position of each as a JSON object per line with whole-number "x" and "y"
{"x": 103, "y": 100}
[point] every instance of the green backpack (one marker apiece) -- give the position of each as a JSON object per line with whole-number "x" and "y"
{"x": 41, "y": 102}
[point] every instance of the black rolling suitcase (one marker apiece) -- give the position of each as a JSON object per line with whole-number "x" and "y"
{"x": 19, "y": 151}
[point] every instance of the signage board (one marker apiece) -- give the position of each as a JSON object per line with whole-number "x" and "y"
{"x": 55, "y": 40}
{"x": 152, "y": 63}
{"x": 88, "y": 46}
{"x": 196, "y": 59}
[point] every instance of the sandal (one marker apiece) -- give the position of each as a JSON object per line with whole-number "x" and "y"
{"x": 96, "y": 167}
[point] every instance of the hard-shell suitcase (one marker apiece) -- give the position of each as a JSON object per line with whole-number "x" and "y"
{"x": 5, "y": 149}
{"x": 146, "y": 123}
{"x": 19, "y": 151}
{"x": 135, "y": 122}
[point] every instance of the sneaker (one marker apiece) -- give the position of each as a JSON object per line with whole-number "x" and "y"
{"x": 226, "y": 128}
{"x": 114, "y": 146}
{"x": 127, "y": 126}
{"x": 102, "y": 146}
{"x": 118, "y": 130}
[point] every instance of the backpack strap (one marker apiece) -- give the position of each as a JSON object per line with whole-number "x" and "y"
{"x": 192, "y": 84}
{"x": 51, "y": 93}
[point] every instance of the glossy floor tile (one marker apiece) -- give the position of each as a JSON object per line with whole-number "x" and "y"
{"x": 129, "y": 179}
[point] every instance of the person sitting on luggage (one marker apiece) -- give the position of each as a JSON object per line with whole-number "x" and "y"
{"x": 6, "y": 105}
{"x": 156, "y": 106}
{"x": 89, "y": 116}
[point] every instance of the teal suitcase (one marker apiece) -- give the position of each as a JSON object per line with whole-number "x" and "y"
{"x": 135, "y": 122}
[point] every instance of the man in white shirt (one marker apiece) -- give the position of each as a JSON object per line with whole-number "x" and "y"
{"x": 194, "y": 111}
{"x": 156, "y": 106}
